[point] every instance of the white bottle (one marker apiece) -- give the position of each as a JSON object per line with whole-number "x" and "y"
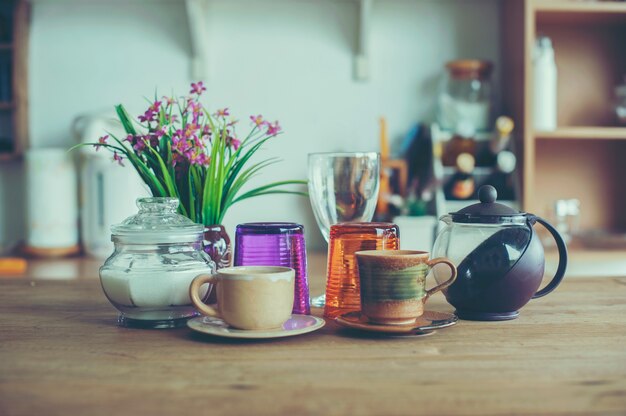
{"x": 544, "y": 92}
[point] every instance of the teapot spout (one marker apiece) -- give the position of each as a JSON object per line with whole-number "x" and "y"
{"x": 446, "y": 218}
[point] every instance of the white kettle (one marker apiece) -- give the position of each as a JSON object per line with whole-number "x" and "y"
{"x": 107, "y": 191}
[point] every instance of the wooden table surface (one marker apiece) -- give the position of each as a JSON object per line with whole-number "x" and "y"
{"x": 61, "y": 353}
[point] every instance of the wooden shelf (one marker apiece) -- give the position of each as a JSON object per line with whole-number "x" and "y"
{"x": 581, "y": 6}
{"x": 570, "y": 12}
{"x": 583, "y": 158}
{"x": 583, "y": 133}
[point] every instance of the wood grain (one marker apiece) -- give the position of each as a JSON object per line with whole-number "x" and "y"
{"x": 20, "y": 75}
{"x": 61, "y": 353}
{"x": 584, "y": 133}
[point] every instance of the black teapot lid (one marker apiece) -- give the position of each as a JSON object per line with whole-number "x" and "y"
{"x": 488, "y": 211}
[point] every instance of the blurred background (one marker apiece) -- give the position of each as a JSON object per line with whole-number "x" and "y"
{"x": 425, "y": 82}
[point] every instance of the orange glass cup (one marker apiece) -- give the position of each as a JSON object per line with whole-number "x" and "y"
{"x": 342, "y": 286}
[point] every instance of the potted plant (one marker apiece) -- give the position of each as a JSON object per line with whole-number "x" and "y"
{"x": 179, "y": 149}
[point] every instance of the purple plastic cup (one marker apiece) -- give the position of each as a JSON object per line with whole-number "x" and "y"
{"x": 276, "y": 244}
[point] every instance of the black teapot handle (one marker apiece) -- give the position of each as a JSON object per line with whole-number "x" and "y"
{"x": 560, "y": 245}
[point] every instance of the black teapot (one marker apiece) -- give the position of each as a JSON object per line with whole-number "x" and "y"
{"x": 499, "y": 257}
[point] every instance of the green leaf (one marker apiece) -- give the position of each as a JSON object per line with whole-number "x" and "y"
{"x": 125, "y": 119}
{"x": 239, "y": 164}
{"x": 209, "y": 215}
{"x": 241, "y": 180}
{"x": 148, "y": 177}
{"x": 167, "y": 179}
{"x": 247, "y": 195}
{"x": 192, "y": 202}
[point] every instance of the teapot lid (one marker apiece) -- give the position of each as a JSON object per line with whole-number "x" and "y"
{"x": 157, "y": 222}
{"x": 488, "y": 211}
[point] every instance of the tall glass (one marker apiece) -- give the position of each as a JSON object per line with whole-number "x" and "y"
{"x": 343, "y": 187}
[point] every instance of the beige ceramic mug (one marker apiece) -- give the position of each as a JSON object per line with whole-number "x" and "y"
{"x": 248, "y": 297}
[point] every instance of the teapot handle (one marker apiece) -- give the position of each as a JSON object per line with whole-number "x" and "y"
{"x": 560, "y": 271}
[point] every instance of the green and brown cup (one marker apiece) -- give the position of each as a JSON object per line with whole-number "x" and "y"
{"x": 393, "y": 284}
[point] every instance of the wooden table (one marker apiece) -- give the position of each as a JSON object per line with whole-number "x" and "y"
{"x": 61, "y": 353}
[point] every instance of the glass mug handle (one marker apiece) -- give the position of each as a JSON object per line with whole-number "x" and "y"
{"x": 194, "y": 289}
{"x": 444, "y": 285}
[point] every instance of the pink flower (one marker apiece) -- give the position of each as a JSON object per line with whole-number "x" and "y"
{"x": 199, "y": 158}
{"x": 197, "y": 87}
{"x": 160, "y": 132}
{"x": 155, "y": 107}
{"x": 190, "y": 129}
{"x": 179, "y": 144}
{"x": 139, "y": 145}
{"x": 258, "y": 120}
{"x": 235, "y": 143}
{"x": 196, "y": 110}
{"x": 177, "y": 159}
{"x": 117, "y": 158}
{"x": 222, "y": 112}
{"x": 172, "y": 119}
{"x": 102, "y": 140}
{"x": 148, "y": 116}
{"x": 168, "y": 100}
{"x": 273, "y": 129}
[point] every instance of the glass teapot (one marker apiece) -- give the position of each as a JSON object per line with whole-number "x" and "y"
{"x": 157, "y": 254}
{"x": 499, "y": 257}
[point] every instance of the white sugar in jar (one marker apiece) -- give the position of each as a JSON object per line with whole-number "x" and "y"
{"x": 157, "y": 255}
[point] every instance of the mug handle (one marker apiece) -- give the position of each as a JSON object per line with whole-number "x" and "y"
{"x": 431, "y": 264}
{"x": 562, "y": 248}
{"x": 194, "y": 289}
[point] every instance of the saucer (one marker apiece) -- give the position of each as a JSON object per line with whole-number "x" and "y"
{"x": 423, "y": 325}
{"x": 296, "y": 325}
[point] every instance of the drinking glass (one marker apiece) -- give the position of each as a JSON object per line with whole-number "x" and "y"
{"x": 276, "y": 244}
{"x": 343, "y": 281}
{"x": 343, "y": 187}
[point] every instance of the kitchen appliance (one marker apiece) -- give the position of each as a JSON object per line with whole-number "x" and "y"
{"x": 499, "y": 258}
{"x": 107, "y": 191}
{"x": 52, "y": 208}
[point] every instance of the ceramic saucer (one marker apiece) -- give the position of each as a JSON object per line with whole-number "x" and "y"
{"x": 423, "y": 325}
{"x": 296, "y": 325}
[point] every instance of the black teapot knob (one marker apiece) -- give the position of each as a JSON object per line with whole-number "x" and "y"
{"x": 487, "y": 194}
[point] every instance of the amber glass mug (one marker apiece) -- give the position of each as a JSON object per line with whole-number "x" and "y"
{"x": 342, "y": 285}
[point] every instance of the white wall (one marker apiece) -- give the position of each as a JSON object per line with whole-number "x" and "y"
{"x": 290, "y": 60}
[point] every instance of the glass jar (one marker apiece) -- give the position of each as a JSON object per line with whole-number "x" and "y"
{"x": 157, "y": 254}
{"x": 465, "y": 95}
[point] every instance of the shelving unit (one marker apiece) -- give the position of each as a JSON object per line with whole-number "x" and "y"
{"x": 14, "y": 110}
{"x": 585, "y": 156}
{"x": 583, "y": 133}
